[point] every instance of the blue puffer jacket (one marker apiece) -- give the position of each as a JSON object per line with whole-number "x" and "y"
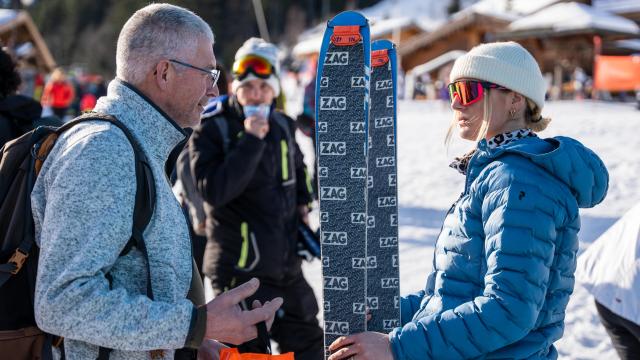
{"x": 504, "y": 261}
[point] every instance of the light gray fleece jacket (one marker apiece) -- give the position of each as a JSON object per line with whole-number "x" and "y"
{"x": 83, "y": 210}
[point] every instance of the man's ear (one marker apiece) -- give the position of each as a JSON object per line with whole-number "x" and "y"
{"x": 161, "y": 74}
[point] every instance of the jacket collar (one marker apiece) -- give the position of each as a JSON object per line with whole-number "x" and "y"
{"x": 157, "y": 133}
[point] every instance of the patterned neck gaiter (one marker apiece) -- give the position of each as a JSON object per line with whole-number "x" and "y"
{"x": 462, "y": 163}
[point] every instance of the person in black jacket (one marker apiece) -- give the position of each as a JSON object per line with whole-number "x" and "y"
{"x": 251, "y": 175}
{"x": 18, "y": 113}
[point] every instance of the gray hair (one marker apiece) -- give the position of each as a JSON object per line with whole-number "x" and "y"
{"x": 156, "y": 32}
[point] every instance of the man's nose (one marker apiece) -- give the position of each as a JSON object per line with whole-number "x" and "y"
{"x": 213, "y": 91}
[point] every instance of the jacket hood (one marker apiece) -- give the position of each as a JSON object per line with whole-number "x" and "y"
{"x": 567, "y": 160}
{"x": 21, "y": 108}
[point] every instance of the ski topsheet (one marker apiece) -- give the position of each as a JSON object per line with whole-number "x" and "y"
{"x": 342, "y": 110}
{"x": 383, "y": 275}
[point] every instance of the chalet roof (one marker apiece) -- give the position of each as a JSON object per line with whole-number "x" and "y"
{"x": 18, "y": 24}
{"x": 617, "y": 6}
{"x": 436, "y": 63}
{"x": 512, "y": 9}
{"x": 570, "y": 18}
{"x": 457, "y": 22}
{"x": 311, "y": 41}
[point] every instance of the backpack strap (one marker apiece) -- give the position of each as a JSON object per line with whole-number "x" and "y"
{"x": 144, "y": 205}
{"x": 223, "y": 127}
{"x": 145, "y": 189}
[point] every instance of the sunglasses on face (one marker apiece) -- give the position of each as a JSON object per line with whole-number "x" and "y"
{"x": 470, "y": 91}
{"x": 253, "y": 64}
{"x": 213, "y": 73}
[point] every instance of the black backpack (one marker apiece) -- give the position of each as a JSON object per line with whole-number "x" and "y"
{"x": 20, "y": 162}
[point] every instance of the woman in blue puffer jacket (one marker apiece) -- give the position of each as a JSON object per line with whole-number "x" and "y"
{"x": 504, "y": 262}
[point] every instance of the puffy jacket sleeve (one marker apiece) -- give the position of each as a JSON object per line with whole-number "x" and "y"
{"x": 411, "y": 303}
{"x": 85, "y": 224}
{"x": 518, "y": 220}
{"x": 222, "y": 177}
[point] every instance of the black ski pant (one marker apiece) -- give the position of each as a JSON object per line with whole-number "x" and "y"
{"x": 624, "y": 334}
{"x": 295, "y": 327}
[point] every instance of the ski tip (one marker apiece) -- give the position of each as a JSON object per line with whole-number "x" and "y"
{"x": 382, "y": 44}
{"x": 348, "y": 18}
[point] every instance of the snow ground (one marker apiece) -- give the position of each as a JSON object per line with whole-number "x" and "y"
{"x": 427, "y": 187}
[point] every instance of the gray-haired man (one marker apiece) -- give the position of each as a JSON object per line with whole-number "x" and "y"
{"x": 83, "y": 206}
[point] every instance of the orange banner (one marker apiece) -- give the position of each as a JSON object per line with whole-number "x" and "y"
{"x": 617, "y": 73}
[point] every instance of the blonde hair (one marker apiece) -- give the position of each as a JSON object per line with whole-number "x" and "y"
{"x": 482, "y": 132}
{"x": 532, "y": 116}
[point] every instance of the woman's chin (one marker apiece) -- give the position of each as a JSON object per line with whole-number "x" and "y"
{"x": 466, "y": 133}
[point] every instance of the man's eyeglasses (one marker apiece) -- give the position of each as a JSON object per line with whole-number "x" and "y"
{"x": 214, "y": 74}
{"x": 470, "y": 91}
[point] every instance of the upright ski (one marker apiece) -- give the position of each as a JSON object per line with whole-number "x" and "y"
{"x": 383, "y": 276}
{"x": 342, "y": 110}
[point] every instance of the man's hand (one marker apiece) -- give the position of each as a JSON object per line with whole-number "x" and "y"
{"x": 256, "y": 304}
{"x": 256, "y": 126}
{"x": 210, "y": 350}
{"x": 303, "y": 211}
{"x": 227, "y": 322}
{"x": 362, "y": 346}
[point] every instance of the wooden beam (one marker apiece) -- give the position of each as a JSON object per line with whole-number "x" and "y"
{"x": 40, "y": 44}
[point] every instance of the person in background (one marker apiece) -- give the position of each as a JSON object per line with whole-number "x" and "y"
{"x": 306, "y": 122}
{"x": 58, "y": 93}
{"x": 250, "y": 173}
{"x": 504, "y": 262}
{"x": 18, "y": 113}
{"x": 29, "y": 75}
{"x": 610, "y": 270}
{"x": 184, "y": 185}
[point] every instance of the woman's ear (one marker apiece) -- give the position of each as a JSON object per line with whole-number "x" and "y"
{"x": 517, "y": 100}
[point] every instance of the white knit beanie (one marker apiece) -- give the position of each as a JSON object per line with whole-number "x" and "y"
{"x": 268, "y": 51}
{"x": 503, "y": 63}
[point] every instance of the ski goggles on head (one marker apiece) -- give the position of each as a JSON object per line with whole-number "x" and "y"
{"x": 470, "y": 91}
{"x": 252, "y": 64}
